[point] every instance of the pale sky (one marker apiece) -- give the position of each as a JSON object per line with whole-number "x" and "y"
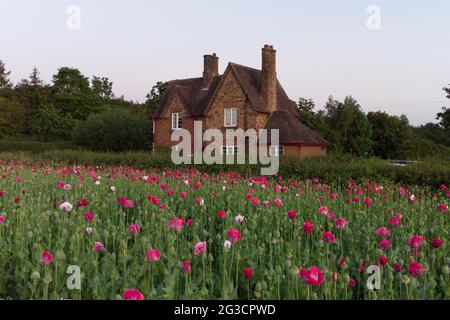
{"x": 324, "y": 47}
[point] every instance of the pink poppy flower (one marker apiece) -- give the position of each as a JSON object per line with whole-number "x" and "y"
{"x": 362, "y": 266}
{"x": 187, "y": 266}
{"x": 153, "y": 255}
{"x": 442, "y": 208}
{"x": 133, "y": 294}
{"x": 333, "y": 196}
{"x": 383, "y": 232}
{"x": 46, "y": 258}
{"x": 308, "y": 227}
{"x": 415, "y": 242}
{"x": 98, "y": 247}
{"x": 395, "y": 222}
{"x": 323, "y": 210}
{"x": 2, "y": 219}
{"x": 134, "y": 229}
{"x": 385, "y": 244}
{"x": 234, "y": 235}
{"x": 352, "y": 283}
{"x": 368, "y": 202}
{"x": 89, "y": 217}
{"x": 200, "y": 248}
{"x": 341, "y": 223}
{"x": 328, "y": 237}
{"x": 183, "y": 194}
{"x": 383, "y": 260}
{"x": 278, "y": 202}
{"x": 292, "y": 214}
{"x": 436, "y": 243}
{"x": 222, "y": 214}
{"x": 416, "y": 269}
{"x": 312, "y": 276}
{"x": 398, "y": 267}
{"x": 176, "y": 224}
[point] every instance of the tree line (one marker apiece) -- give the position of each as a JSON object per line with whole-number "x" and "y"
{"x": 85, "y": 110}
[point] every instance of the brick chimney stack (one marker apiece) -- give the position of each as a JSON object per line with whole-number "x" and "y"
{"x": 210, "y": 69}
{"x": 269, "y": 77}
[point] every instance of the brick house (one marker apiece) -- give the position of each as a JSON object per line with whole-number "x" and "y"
{"x": 242, "y": 97}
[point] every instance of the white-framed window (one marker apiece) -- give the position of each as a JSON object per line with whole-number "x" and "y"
{"x": 230, "y": 117}
{"x": 276, "y": 151}
{"x": 177, "y": 121}
{"x": 230, "y": 150}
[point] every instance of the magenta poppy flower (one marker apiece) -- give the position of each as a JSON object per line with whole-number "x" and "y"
{"x": 328, "y": 237}
{"x": 89, "y": 217}
{"x": 133, "y": 294}
{"x": 292, "y": 214}
{"x": 312, "y": 277}
{"x": 234, "y": 235}
{"x": 415, "y": 242}
{"x": 308, "y": 227}
{"x": 278, "y": 202}
{"x": 222, "y": 214}
{"x": 442, "y": 208}
{"x": 385, "y": 244}
{"x": 416, "y": 269}
{"x": 187, "y": 266}
{"x": 2, "y": 219}
{"x": 383, "y": 232}
{"x": 46, "y": 257}
{"x": 383, "y": 260}
{"x": 436, "y": 243}
{"x": 248, "y": 273}
{"x": 153, "y": 255}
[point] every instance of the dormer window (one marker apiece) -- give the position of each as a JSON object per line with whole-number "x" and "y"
{"x": 177, "y": 121}
{"x": 230, "y": 117}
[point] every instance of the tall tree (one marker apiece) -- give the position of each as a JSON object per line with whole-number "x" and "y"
{"x": 444, "y": 116}
{"x": 350, "y": 124}
{"x": 32, "y": 93}
{"x": 155, "y": 96}
{"x": 102, "y": 87}
{"x": 5, "y": 83}
{"x": 74, "y": 97}
{"x": 390, "y": 134}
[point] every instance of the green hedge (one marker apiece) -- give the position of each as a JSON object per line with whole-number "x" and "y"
{"x": 336, "y": 169}
{"x": 35, "y": 146}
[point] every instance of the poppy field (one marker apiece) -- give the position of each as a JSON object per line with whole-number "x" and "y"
{"x": 167, "y": 234}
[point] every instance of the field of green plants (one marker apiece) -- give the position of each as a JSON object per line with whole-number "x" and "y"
{"x": 167, "y": 234}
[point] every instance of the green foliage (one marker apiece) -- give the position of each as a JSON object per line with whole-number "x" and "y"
{"x": 114, "y": 130}
{"x": 12, "y": 117}
{"x": 48, "y": 123}
{"x": 389, "y": 133}
{"x": 155, "y": 96}
{"x": 102, "y": 87}
{"x": 5, "y": 83}
{"x": 433, "y": 132}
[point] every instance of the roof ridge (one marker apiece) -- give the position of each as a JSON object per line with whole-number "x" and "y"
{"x": 242, "y": 66}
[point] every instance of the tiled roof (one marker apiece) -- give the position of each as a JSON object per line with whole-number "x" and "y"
{"x": 197, "y": 99}
{"x": 292, "y": 131}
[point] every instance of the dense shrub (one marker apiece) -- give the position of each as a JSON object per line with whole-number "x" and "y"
{"x": 114, "y": 130}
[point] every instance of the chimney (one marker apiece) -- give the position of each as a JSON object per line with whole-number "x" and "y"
{"x": 210, "y": 69}
{"x": 269, "y": 77}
